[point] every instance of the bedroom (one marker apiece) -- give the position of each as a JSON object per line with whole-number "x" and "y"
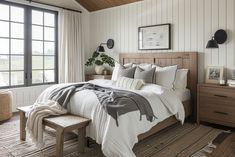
{"x": 43, "y": 43}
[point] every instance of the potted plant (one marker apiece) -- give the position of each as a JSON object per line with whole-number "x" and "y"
{"x": 99, "y": 59}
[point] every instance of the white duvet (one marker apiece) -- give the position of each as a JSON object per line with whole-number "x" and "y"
{"x": 118, "y": 141}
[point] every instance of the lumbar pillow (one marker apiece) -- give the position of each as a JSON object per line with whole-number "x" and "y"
{"x": 146, "y": 75}
{"x": 116, "y": 70}
{"x": 127, "y": 72}
{"x": 129, "y": 83}
{"x": 165, "y": 76}
{"x": 181, "y": 79}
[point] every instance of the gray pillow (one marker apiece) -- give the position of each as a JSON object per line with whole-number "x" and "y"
{"x": 127, "y": 72}
{"x": 146, "y": 75}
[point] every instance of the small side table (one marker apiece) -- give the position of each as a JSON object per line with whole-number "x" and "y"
{"x": 94, "y": 76}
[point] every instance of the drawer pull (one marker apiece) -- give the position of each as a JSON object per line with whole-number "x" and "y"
{"x": 223, "y": 113}
{"x": 222, "y": 96}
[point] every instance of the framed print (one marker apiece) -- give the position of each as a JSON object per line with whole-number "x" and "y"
{"x": 155, "y": 37}
{"x": 214, "y": 74}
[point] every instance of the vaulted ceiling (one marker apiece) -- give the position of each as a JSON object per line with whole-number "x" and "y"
{"x": 94, "y": 5}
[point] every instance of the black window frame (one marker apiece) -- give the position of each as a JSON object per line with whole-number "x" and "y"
{"x": 28, "y": 46}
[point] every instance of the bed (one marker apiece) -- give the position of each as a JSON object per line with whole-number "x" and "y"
{"x": 167, "y": 107}
{"x": 184, "y": 60}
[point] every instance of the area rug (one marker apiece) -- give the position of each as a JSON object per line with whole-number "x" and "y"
{"x": 178, "y": 140}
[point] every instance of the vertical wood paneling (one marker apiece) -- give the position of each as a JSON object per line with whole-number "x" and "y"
{"x": 230, "y": 29}
{"x": 193, "y": 23}
{"x": 26, "y": 96}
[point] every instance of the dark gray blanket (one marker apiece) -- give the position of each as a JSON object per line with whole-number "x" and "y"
{"x": 115, "y": 102}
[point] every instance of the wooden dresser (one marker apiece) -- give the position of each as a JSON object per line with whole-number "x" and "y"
{"x": 216, "y": 104}
{"x": 93, "y": 77}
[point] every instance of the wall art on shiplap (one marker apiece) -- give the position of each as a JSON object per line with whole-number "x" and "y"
{"x": 193, "y": 23}
{"x": 154, "y": 37}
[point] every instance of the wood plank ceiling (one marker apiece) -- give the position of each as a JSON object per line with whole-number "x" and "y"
{"x": 94, "y": 5}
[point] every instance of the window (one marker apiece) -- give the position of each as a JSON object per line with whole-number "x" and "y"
{"x": 28, "y": 45}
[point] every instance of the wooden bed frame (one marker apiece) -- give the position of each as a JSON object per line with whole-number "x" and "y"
{"x": 184, "y": 60}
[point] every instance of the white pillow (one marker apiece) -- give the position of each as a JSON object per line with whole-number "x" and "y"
{"x": 165, "y": 76}
{"x": 181, "y": 79}
{"x": 143, "y": 66}
{"x": 129, "y": 83}
{"x": 116, "y": 70}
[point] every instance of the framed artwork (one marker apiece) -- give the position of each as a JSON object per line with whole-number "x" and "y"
{"x": 155, "y": 37}
{"x": 214, "y": 74}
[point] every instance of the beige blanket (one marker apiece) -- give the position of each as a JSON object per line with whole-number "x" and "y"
{"x": 34, "y": 125}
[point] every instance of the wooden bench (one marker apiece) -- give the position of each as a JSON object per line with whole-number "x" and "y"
{"x": 62, "y": 124}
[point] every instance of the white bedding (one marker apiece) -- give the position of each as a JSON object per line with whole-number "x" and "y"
{"x": 118, "y": 141}
{"x": 183, "y": 94}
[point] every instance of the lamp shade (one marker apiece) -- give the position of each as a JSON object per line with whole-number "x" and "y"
{"x": 212, "y": 43}
{"x": 101, "y": 49}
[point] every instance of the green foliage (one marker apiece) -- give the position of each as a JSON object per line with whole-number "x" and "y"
{"x": 100, "y": 59}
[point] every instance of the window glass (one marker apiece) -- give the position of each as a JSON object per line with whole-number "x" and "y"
{"x": 49, "y": 19}
{"x": 17, "y": 46}
{"x": 37, "y": 17}
{"x": 4, "y": 29}
{"x": 37, "y": 32}
{"x": 17, "y": 14}
{"x": 17, "y": 30}
{"x": 17, "y": 78}
{"x": 4, "y": 12}
{"x": 4, "y": 46}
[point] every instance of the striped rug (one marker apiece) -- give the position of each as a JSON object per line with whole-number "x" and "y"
{"x": 180, "y": 141}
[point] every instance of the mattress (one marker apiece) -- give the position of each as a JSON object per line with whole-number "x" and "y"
{"x": 183, "y": 94}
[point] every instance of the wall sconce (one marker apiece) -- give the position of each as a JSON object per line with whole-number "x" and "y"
{"x": 110, "y": 45}
{"x": 220, "y": 37}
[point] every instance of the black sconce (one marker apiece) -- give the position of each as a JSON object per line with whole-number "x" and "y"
{"x": 110, "y": 45}
{"x": 220, "y": 37}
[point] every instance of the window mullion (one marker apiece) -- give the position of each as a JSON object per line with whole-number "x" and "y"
{"x": 28, "y": 46}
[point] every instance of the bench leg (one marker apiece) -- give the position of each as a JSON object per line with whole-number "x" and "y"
{"x": 81, "y": 139}
{"x": 59, "y": 142}
{"x": 22, "y": 126}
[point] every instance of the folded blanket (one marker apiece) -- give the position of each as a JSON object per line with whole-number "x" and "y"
{"x": 115, "y": 102}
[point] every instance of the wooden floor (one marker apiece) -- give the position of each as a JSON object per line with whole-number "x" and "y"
{"x": 180, "y": 141}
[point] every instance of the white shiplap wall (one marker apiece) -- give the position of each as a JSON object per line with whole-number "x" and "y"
{"x": 193, "y": 24}
{"x": 26, "y": 96}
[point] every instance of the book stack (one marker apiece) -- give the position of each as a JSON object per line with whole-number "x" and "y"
{"x": 231, "y": 83}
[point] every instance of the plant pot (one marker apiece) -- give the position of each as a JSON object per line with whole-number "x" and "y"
{"x": 99, "y": 69}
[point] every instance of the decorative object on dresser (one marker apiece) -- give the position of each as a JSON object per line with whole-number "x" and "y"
{"x": 216, "y": 104}
{"x": 219, "y": 37}
{"x": 94, "y": 76}
{"x": 99, "y": 59}
{"x": 155, "y": 37}
{"x": 5, "y": 105}
{"x": 214, "y": 74}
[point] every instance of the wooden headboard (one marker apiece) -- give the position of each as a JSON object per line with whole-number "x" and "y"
{"x": 184, "y": 60}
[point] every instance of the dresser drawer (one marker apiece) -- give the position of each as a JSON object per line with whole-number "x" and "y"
{"x": 217, "y": 113}
{"x": 218, "y": 93}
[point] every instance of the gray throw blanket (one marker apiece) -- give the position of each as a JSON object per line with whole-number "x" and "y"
{"x": 115, "y": 102}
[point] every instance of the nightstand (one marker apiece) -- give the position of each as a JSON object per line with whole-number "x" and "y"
{"x": 93, "y": 77}
{"x": 216, "y": 104}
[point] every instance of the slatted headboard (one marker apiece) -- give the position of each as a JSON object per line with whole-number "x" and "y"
{"x": 186, "y": 60}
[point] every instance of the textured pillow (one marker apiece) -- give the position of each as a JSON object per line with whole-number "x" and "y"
{"x": 146, "y": 75}
{"x": 143, "y": 66}
{"x": 116, "y": 70}
{"x": 181, "y": 79}
{"x": 165, "y": 76}
{"x": 128, "y": 83}
{"x": 127, "y": 72}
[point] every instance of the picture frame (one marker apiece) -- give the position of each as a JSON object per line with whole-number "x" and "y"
{"x": 214, "y": 74}
{"x": 154, "y": 37}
